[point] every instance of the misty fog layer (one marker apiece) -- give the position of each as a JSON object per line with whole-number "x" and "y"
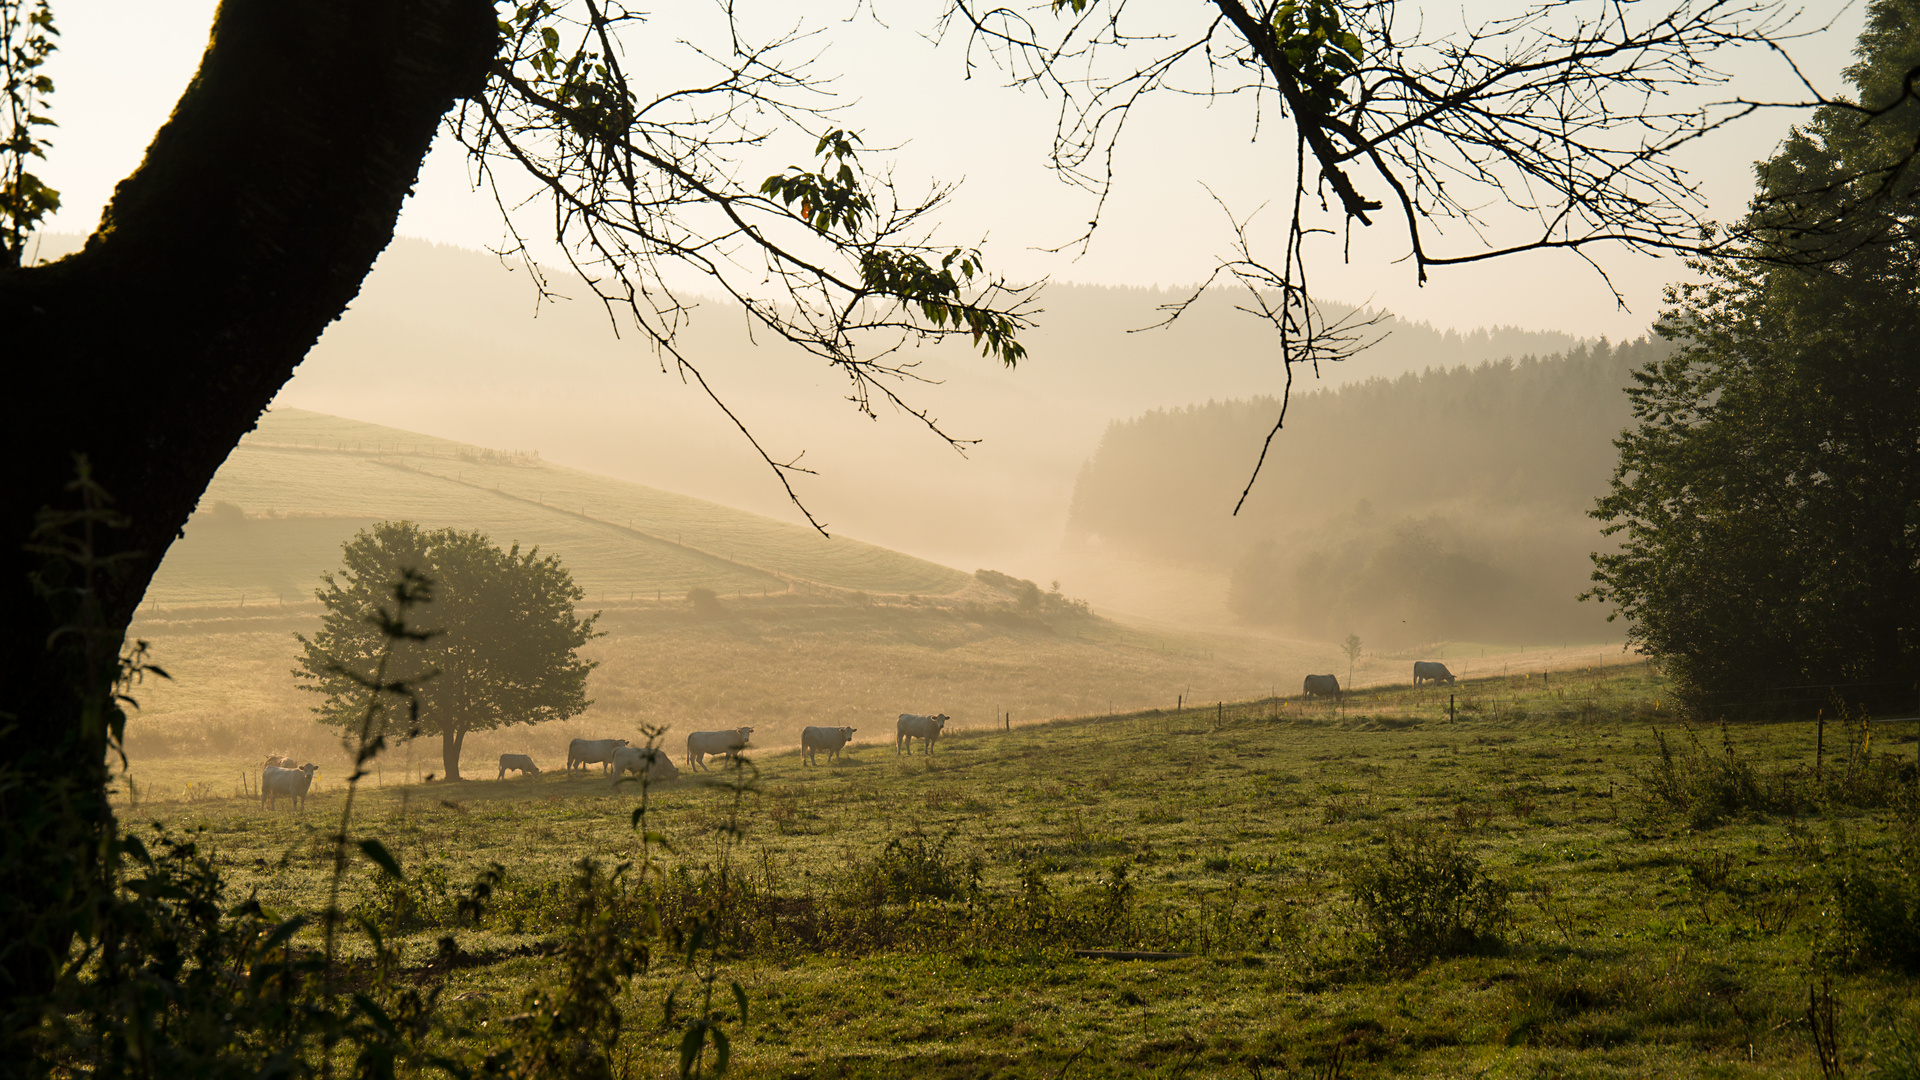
{"x": 455, "y": 343}
{"x": 1448, "y": 504}
{"x": 446, "y": 341}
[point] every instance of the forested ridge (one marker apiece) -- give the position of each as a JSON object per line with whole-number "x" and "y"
{"x": 1452, "y": 501}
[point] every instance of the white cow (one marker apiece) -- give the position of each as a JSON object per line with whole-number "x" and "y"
{"x": 518, "y": 762}
{"x": 276, "y": 761}
{"x": 651, "y": 761}
{"x": 729, "y": 743}
{"x": 584, "y": 752}
{"x": 913, "y": 727}
{"x": 293, "y": 783}
{"x": 830, "y": 739}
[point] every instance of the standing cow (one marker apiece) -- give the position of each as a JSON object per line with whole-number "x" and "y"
{"x": 925, "y": 728}
{"x": 293, "y": 783}
{"x": 1321, "y": 686}
{"x": 725, "y": 743}
{"x": 1431, "y": 671}
{"x": 830, "y": 739}
{"x": 584, "y": 752}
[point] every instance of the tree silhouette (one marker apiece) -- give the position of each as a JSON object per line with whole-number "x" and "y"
{"x": 1767, "y": 492}
{"x": 502, "y": 646}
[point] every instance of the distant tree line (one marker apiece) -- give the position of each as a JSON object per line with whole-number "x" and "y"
{"x": 1444, "y": 504}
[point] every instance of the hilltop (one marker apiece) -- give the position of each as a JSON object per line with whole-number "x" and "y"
{"x": 303, "y": 483}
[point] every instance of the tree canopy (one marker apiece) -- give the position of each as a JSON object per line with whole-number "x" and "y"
{"x": 501, "y": 642}
{"x": 1768, "y": 494}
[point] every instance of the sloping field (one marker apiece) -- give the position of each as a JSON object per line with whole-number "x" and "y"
{"x": 777, "y": 664}
{"x": 277, "y": 512}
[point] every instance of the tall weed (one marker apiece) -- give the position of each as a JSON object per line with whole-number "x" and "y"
{"x": 1709, "y": 788}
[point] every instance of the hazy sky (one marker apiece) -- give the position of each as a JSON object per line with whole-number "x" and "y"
{"x": 123, "y": 63}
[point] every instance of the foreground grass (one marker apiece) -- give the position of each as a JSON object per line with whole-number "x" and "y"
{"x": 1642, "y": 943}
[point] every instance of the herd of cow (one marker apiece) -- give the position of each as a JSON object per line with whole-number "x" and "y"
{"x": 1424, "y": 671}
{"x": 283, "y": 778}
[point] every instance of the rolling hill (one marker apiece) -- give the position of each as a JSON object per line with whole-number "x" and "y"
{"x": 303, "y": 483}
{"x": 811, "y": 629}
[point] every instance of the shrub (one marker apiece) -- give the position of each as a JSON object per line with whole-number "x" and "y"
{"x": 1422, "y": 897}
{"x": 911, "y": 868}
{"x": 1877, "y": 903}
{"x": 425, "y": 900}
{"x": 705, "y": 603}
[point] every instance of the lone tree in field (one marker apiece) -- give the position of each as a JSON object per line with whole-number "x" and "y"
{"x": 1768, "y": 495}
{"x": 504, "y": 640}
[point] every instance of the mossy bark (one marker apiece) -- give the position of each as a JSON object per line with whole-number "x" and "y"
{"x": 258, "y": 210}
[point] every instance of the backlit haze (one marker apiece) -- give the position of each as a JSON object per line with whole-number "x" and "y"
{"x": 445, "y": 342}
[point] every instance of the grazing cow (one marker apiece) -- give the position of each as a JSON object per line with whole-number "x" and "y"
{"x": 275, "y": 761}
{"x": 293, "y": 783}
{"x": 830, "y": 739}
{"x": 520, "y": 762}
{"x": 1431, "y": 671}
{"x": 728, "y": 743}
{"x": 584, "y": 752}
{"x": 649, "y": 762}
{"x": 1321, "y": 686}
{"x": 925, "y": 728}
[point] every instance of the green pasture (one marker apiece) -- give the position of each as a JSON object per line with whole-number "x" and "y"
{"x": 914, "y": 916}
{"x": 276, "y": 513}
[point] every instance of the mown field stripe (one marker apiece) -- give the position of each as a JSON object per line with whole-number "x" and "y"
{"x": 615, "y": 526}
{"x": 793, "y": 580}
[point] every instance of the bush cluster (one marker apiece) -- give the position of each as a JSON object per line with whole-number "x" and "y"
{"x": 1422, "y": 896}
{"x": 1877, "y": 902}
{"x": 1709, "y": 788}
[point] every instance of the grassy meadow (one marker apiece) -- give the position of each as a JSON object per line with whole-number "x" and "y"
{"x": 776, "y": 663}
{"x": 1639, "y": 899}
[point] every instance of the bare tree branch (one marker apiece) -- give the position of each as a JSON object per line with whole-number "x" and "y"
{"x": 1554, "y": 129}
{"x": 831, "y": 259}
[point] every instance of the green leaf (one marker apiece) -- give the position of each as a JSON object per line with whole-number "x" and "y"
{"x": 722, "y": 1049}
{"x": 378, "y": 852}
{"x": 373, "y": 933}
{"x": 740, "y": 999}
{"x": 372, "y": 1011}
{"x": 690, "y": 1044}
{"x": 283, "y": 932}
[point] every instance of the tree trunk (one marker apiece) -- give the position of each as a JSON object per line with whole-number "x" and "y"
{"x": 248, "y": 227}
{"x": 450, "y": 744}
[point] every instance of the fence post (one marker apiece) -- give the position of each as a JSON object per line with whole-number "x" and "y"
{"x": 1449, "y": 708}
